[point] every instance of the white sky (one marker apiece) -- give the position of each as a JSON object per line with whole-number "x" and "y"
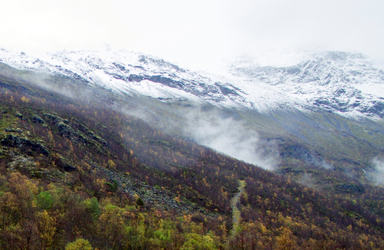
{"x": 195, "y": 32}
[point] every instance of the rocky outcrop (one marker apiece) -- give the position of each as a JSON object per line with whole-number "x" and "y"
{"x": 25, "y": 145}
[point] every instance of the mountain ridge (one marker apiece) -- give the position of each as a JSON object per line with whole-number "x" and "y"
{"x": 340, "y": 82}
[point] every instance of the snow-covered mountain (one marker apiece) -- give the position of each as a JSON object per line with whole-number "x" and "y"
{"x": 343, "y": 83}
{"x": 288, "y": 118}
{"x": 129, "y": 73}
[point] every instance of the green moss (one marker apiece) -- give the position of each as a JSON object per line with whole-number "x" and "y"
{"x": 7, "y": 122}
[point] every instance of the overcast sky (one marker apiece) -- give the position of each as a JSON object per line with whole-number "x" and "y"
{"x": 195, "y": 31}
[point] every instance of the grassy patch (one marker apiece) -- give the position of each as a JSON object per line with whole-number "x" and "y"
{"x": 8, "y": 122}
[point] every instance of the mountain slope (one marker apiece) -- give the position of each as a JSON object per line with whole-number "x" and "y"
{"x": 316, "y": 118}
{"x": 88, "y": 171}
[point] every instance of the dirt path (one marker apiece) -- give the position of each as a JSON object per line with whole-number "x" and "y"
{"x": 236, "y": 214}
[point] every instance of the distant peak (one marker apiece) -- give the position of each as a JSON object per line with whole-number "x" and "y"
{"x": 339, "y": 55}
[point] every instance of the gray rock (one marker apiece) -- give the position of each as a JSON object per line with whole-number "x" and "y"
{"x": 37, "y": 119}
{"x": 24, "y": 144}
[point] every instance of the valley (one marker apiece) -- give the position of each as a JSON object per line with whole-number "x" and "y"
{"x": 122, "y": 169}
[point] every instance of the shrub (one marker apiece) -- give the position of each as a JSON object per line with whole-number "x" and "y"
{"x": 44, "y": 200}
{"x": 79, "y": 244}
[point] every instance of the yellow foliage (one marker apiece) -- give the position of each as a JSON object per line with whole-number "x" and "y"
{"x": 46, "y": 227}
{"x": 111, "y": 164}
{"x": 177, "y": 199}
{"x": 79, "y": 244}
{"x": 286, "y": 240}
{"x": 187, "y": 217}
{"x": 25, "y": 99}
{"x": 263, "y": 229}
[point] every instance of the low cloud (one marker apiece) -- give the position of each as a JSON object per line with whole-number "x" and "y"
{"x": 232, "y": 138}
{"x": 376, "y": 175}
{"x": 307, "y": 180}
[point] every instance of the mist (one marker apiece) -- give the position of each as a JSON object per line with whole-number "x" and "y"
{"x": 208, "y": 127}
{"x": 376, "y": 175}
{"x": 307, "y": 180}
{"x": 231, "y": 137}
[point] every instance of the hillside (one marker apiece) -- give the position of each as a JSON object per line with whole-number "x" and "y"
{"x": 78, "y": 167}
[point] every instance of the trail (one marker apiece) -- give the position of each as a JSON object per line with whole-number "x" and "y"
{"x": 236, "y": 214}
